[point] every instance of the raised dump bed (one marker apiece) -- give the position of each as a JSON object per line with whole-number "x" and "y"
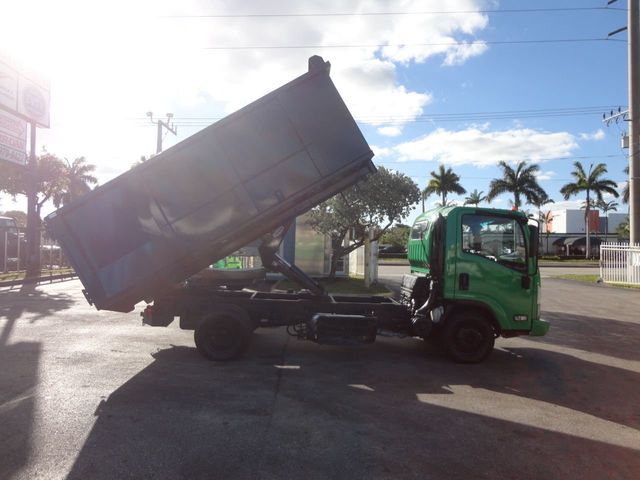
{"x": 139, "y": 234}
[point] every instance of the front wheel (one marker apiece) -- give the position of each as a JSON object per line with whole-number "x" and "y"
{"x": 468, "y": 337}
{"x": 222, "y": 337}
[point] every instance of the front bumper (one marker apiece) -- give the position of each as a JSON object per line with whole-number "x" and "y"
{"x": 539, "y": 328}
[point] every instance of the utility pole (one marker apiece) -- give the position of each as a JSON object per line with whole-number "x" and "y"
{"x": 33, "y": 220}
{"x": 634, "y": 125}
{"x": 163, "y": 124}
{"x": 633, "y": 114}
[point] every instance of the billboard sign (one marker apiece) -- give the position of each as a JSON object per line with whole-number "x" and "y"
{"x": 24, "y": 93}
{"x": 13, "y": 138}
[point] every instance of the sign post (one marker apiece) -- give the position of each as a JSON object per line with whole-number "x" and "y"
{"x": 25, "y": 95}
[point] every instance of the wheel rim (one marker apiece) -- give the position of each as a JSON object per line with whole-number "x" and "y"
{"x": 468, "y": 339}
{"x": 223, "y": 336}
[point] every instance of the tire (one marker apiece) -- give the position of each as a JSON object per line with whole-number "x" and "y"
{"x": 222, "y": 337}
{"x": 467, "y": 337}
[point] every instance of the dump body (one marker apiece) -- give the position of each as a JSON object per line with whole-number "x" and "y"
{"x": 218, "y": 190}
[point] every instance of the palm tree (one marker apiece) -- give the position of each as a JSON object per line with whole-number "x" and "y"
{"x": 423, "y": 198}
{"x": 547, "y": 218}
{"x": 79, "y": 179}
{"x": 539, "y": 203}
{"x": 444, "y": 182}
{"x": 607, "y": 207}
{"x": 521, "y": 182}
{"x": 475, "y": 198}
{"x": 625, "y": 190}
{"x": 590, "y": 182}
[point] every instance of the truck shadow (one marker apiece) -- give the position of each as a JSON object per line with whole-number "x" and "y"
{"x": 291, "y": 409}
{"x": 604, "y": 336}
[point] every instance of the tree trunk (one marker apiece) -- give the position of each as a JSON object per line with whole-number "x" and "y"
{"x": 33, "y": 236}
{"x": 334, "y": 264}
{"x": 586, "y": 228}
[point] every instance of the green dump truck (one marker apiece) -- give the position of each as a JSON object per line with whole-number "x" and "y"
{"x": 145, "y": 234}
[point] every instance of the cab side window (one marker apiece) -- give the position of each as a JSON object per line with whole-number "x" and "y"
{"x": 497, "y": 238}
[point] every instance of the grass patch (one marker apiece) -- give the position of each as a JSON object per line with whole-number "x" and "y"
{"x": 553, "y": 259}
{"x": 19, "y": 275}
{"x": 394, "y": 260}
{"x": 345, "y": 285}
{"x": 593, "y": 279}
{"x": 579, "y": 277}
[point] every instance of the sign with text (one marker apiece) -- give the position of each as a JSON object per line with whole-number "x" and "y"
{"x": 13, "y": 138}
{"x": 24, "y": 93}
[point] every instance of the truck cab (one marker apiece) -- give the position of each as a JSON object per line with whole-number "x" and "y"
{"x": 482, "y": 266}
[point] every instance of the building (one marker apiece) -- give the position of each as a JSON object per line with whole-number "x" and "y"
{"x": 572, "y": 221}
{"x": 564, "y": 232}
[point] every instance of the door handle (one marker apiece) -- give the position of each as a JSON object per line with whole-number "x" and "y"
{"x": 526, "y": 282}
{"x": 463, "y": 281}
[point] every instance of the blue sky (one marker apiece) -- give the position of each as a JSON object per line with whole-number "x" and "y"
{"x": 417, "y": 99}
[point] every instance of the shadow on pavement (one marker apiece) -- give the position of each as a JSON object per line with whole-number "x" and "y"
{"x": 29, "y": 300}
{"x": 17, "y": 402}
{"x": 594, "y": 334}
{"x": 19, "y": 367}
{"x": 19, "y": 363}
{"x": 293, "y": 410}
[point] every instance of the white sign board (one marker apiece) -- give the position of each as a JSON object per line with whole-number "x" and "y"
{"x": 13, "y": 138}
{"x": 24, "y": 93}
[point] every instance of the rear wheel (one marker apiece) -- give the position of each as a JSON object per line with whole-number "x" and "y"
{"x": 467, "y": 337}
{"x": 222, "y": 337}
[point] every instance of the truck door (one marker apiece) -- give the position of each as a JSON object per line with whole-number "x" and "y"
{"x": 491, "y": 267}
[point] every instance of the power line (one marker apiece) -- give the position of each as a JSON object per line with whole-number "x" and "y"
{"x": 581, "y": 157}
{"x": 434, "y": 44}
{"x": 379, "y": 14}
{"x": 441, "y": 117}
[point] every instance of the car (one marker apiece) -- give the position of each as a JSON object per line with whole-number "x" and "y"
{"x": 391, "y": 249}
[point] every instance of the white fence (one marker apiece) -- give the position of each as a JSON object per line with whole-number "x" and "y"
{"x": 620, "y": 263}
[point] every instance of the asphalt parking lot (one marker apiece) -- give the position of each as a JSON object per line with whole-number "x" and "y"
{"x": 95, "y": 395}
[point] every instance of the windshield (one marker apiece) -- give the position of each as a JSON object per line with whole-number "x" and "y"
{"x": 497, "y": 238}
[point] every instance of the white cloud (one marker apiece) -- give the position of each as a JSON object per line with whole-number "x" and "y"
{"x": 381, "y": 152}
{"x": 390, "y": 131}
{"x": 567, "y": 205}
{"x": 597, "y": 135}
{"x": 545, "y": 175}
{"x": 109, "y": 66}
{"x": 481, "y": 147}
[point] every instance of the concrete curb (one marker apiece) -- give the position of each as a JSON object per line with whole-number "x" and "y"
{"x": 48, "y": 278}
{"x": 565, "y": 265}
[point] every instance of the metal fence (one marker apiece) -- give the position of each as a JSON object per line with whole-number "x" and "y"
{"x": 620, "y": 263}
{"x": 13, "y": 251}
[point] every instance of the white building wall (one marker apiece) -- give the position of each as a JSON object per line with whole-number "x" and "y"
{"x": 568, "y": 221}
